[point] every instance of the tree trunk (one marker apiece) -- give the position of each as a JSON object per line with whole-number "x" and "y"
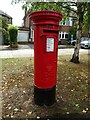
{"x": 80, "y": 13}
{"x": 75, "y": 57}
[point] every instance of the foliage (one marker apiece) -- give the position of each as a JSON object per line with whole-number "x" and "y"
{"x": 86, "y": 22}
{"x": 83, "y": 9}
{"x": 4, "y": 26}
{"x": 72, "y": 31}
{"x": 13, "y": 32}
{"x": 55, "y": 6}
{"x": 37, "y": 6}
{"x": 5, "y": 36}
{"x": 4, "y": 23}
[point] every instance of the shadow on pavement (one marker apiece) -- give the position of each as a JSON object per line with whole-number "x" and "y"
{"x": 20, "y": 46}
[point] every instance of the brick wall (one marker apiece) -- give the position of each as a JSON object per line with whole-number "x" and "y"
{"x": 65, "y": 28}
{"x": 26, "y": 21}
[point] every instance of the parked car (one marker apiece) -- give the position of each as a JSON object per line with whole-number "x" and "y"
{"x": 85, "y": 43}
{"x": 73, "y": 42}
{"x": 84, "y": 38}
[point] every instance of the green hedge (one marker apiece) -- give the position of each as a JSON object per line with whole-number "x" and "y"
{"x": 13, "y": 32}
{"x": 5, "y": 37}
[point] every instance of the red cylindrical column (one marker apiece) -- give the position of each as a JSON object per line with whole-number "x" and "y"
{"x": 46, "y": 28}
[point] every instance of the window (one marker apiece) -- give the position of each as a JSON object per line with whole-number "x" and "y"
{"x": 66, "y": 35}
{"x": 63, "y": 35}
{"x": 63, "y": 22}
{"x": 60, "y": 23}
{"x": 67, "y": 23}
{"x": 60, "y": 35}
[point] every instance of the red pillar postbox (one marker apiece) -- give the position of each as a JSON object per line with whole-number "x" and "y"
{"x": 46, "y": 29}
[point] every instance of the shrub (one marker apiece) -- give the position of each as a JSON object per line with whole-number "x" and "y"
{"x": 5, "y": 37}
{"x": 13, "y": 32}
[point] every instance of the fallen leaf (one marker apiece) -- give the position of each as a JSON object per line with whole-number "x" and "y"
{"x": 15, "y": 109}
{"x": 67, "y": 112}
{"x": 38, "y": 117}
{"x": 84, "y": 111}
{"x": 29, "y": 113}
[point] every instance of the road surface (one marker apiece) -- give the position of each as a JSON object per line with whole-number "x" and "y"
{"x": 30, "y": 52}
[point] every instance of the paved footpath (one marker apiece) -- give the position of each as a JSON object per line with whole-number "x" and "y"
{"x": 30, "y": 52}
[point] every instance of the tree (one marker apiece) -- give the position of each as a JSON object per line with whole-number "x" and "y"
{"x": 82, "y": 11}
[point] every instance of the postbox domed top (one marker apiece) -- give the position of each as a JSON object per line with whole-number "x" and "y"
{"x": 45, "y": 16}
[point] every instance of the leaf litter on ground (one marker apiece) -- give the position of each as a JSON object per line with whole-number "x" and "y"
{"x": 17, "y": 88}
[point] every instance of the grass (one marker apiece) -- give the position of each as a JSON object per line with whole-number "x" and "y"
{"x": 17, "y": 88}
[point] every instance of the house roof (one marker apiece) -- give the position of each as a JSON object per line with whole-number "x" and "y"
{"x": 4, "y": 14}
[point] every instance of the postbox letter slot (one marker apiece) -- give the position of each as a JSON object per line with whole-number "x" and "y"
{"x": 51, "y": 31}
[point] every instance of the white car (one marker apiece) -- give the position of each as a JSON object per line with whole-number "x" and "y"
{"x": 85, "y": 43}
{"x": 73, "y": 42}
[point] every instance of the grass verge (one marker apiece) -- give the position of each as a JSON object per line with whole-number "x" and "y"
{"x": 17, "y": 88}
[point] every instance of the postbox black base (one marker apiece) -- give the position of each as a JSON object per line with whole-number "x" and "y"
{"x": 44, "y": 96}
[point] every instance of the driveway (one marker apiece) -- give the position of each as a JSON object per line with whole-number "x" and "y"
{"x": 30, "y": 52}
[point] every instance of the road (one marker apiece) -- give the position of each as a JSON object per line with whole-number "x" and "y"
{"x": 30, "y": 52}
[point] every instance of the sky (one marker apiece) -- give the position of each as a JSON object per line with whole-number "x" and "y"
{"x": 15, "y": 11}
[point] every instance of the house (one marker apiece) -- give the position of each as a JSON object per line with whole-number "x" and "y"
{"x": 24, "y": 31}
{"x": 64, "y": 26}
{"x": 8, "y": 20}
{"x": 64, "y": 30}
{"x": 29, "y": 24}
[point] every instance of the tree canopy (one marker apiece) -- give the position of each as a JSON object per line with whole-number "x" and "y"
{"x": 81, "y": 9}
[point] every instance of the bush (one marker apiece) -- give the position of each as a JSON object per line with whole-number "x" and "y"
{"x": 5, "y": 37}
{"x": 13, "y": 32}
